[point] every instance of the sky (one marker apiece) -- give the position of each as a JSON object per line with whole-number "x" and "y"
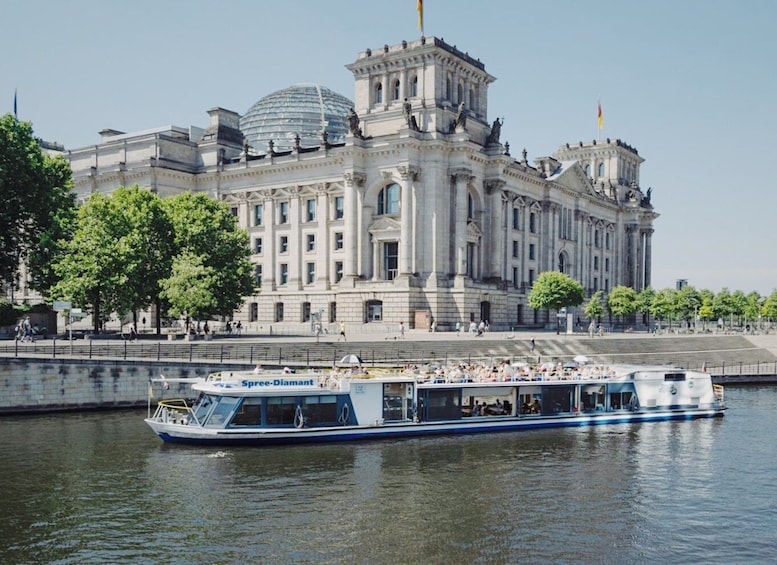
{"x": 692, "y": 84}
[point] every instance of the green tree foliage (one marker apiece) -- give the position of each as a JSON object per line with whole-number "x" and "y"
{"x": 685, "y": 303}
{"x": 769, "y": 308}
{"x": 753, "y": 303}
{"x": 206, "y": 229}
{"x": 35, "y": 203}
{"x": 553, "y": 291}
{"x": 189, "y": 290}
{"x": 622, "y": 301}
{"x": 93, "y": 269}
{"x": 661, "y": 305}
{"x": 594, "y": 309}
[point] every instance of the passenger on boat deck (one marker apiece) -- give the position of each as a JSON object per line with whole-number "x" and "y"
{"x": 257, "y": 369}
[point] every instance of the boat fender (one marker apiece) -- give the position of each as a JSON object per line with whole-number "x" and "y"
{"x": 673, "y": 390}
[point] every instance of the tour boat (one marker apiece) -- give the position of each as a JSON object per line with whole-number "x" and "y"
{"x": 267, "y": 408}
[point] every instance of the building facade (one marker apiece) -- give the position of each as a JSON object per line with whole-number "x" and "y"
{"x": 419, "y": 212}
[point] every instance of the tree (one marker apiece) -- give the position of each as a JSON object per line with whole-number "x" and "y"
{"x": 769, "y": 308}
{"x": 594, "y": 308}
{"x": 146, "y": 232}
{"x": 35, "y": 203}
{"x": 205, "y": 231}
{"x": 622, "y": 301}
{"x": 685, "y": 303}
{"x": 554, "y": 291}
{"x": 189, "y": 289}
{"x": 753, "y": 302}
{"x": 661, "y": 306}
{"x": 92, "y": 270}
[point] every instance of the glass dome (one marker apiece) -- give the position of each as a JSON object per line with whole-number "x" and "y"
{"x": 301, "y": 109}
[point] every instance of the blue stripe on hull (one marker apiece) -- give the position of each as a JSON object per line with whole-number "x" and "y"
{"x": 430, "y": 429}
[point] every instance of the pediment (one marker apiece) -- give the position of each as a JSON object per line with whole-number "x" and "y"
{"x": 384, "y": 224}
{"x": 571, "y": 175}
{"x": 473, "y": 231}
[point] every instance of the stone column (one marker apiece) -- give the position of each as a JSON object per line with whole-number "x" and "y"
{"x": 462, "y": 178}
{"x": 406, "y": 216}
{"x": 323, "y": 250}
{"x": 351, "y": 214}
{"x": 648, "y": 258}
{"x": 296, "y": 245}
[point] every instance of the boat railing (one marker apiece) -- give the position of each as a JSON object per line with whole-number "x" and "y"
{"x": 175, "y": 411}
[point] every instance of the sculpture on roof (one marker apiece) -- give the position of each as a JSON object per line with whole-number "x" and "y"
{"x": 353, "y": 124}
{"x": 496, "y": 130}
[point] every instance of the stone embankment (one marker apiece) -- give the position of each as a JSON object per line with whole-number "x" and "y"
{"x": 46, "y": 376}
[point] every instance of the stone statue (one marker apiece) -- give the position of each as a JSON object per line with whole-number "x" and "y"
{"x": 461, "y": 117}
{"x": 496, "y": 130}
{"x": 353, "y": 124}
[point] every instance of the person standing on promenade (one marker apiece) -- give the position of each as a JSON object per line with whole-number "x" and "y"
{"x": 342, "y": 332}
{"x": 532, "y": 344}
{"x": 401, "y": 330}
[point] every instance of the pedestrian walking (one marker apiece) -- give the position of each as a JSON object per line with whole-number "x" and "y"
{"x": 401, "y": 330}
{"x": 532, "y": 344}
{"x": 342, "y": 332}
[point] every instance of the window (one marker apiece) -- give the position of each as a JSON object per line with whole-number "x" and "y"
{"x": 374, "y": 310}
{"x": 338, "y": 271}
{"x": 471, "y": 251}
{"x": 390, "y": 260}
{"x": 565, "y": 224}
{"x": 597, "y": 238}
{"x": 258, "y": 212}
{"x": 414, "y": 86}
{"x": 234, "y": 211}
{"x": 310, "y": 269}
{"x": 588, "y": 170}
{"x": 284, "y": 270}
{"x": 305, "y": 312}
{"x": 532, "y": 252}
{"x": 388, "y": 200}
{"x": 596, "y": 284}
{"x": 283, "y": 247}
{"x": 339, "y": 240}
{"x": 459, "y": 93}
{"x": 516, "y": 218}
{"x": 333, "y": 311}
{"x": 472, "y": 99}
{"x": 378, "y": 93}
{"x": 283, "y": 213}
{"x": 607, "y": 240}
{"x": 531, "y": 277}
{"x": 310, "y": 210}
{"x": 515, "y": 277}
{"x": 395, "y": 90}
{"x": 533, "y": 222}
{"x": 311, "y": 242}
{"x": 515, "y": 248}
{"x": 258, "y": 245}
{"x": 601, "y": 169}
{"x": 339, "y": 207}
{"x": 447, "y": 89}
{"x": 607, "y": 264}
{"x": 470, "y": 208}
{"x": 279, "y": 311}
{"x": 253, "y": 312}
{"x": 596, "y": 263}
{"x": 258, "y": 275}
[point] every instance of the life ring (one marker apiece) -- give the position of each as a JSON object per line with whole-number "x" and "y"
{"x": 345, "y": 414}
{"x": 299, "y": 419}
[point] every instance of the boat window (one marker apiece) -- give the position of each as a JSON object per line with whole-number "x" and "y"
{"x": 201, "y": 407}
{"x": 320, "y": 409}
{"x": 249, "y": 413}
{"x": 224, "y": 407}
{"x": 674, "y": 377}
{"x": 443, "y": 404}
{"x": 280, "y": 410}
{"x": 557, "y": 399}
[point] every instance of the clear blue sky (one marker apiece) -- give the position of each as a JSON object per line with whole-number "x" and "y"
{"x": 690, "y": 83}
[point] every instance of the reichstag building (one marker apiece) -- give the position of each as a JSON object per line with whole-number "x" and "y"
{"x": 403, "y": 205}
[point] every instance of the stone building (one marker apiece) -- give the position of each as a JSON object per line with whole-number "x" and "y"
{"x": 407, "y": 206}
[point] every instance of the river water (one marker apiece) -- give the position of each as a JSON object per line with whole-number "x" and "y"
{"x": 101, "y": 488}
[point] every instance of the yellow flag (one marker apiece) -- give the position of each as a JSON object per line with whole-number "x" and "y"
{"x": 420, "y": 8}
{"x": 601, "y": 116}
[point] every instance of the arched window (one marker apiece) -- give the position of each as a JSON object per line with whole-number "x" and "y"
{"x": 378, "y": 93}
{"x": 395, "y": 90}
{"x": 459, "y": 93}
{"x": 388, "y": 200}
{"x": 562, "y": 263}
{"x": 588, "y": 170}
{"x": 447, "y": 89}
{"x": 473, "y": 101}
{"x": 470, "y": 208}
{"x": 601, "y": 169}
{"x": 414, "y": 86}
